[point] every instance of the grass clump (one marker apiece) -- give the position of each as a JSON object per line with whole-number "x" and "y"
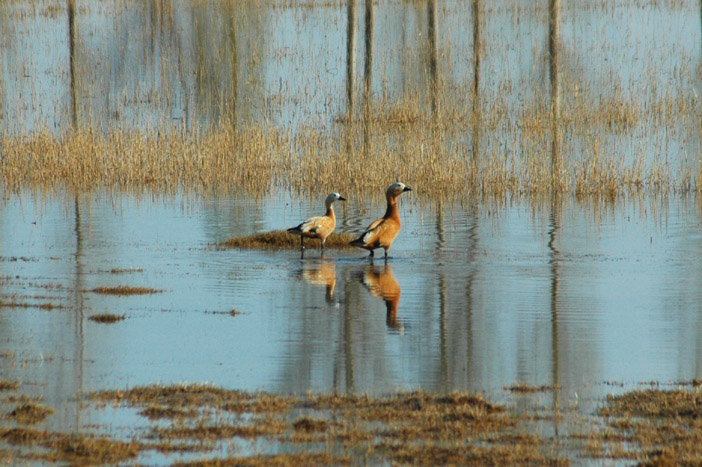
{"x": 283, "y": 240}
{"x": 106, "y": 318}
{"x": 30, "y": 413}
{"x": 125, "y": 290}
{"x": 653, "y": 427}
{"x": 8, "y": 385}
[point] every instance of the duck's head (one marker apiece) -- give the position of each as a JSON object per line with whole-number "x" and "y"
{"x": 333, "y": 197}
{"x": 396, "y": 189}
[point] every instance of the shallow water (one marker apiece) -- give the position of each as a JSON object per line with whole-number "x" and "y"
{"x": 476, "y": 297}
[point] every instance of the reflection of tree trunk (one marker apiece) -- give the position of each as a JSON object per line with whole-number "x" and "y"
{"x": 347, "y": 339}
{"x": 555, "y": 255}
{"x": 350, "y": 69}
{"x": 235, "y": 70}
{"x": 79, "y": 308}
{"x": 476, "y": 84}
{"x": 350, "y": 56}
{"x": 472, "y": 252}
{"x": 72, "y": 58}
{"x": 367, "y": 73}
{"x": 443, "y": 376}
{"x": 433, "y": 55}
{"x": 553, "y": 48}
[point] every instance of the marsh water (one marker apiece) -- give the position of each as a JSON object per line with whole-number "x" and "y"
{"x": 584, "y": 295}
{"x": 475, "y": 296}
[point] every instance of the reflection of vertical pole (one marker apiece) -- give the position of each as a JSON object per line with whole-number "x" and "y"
{"x": 235, "y": 70}
{"x": 433, "y": 55}
{"x": 555, "y": 254}
{"x": 554, "y": 8}
{"x": 72, "y": 58}
{"x": 476, "y": 84}
{"x": 367, "y": 72}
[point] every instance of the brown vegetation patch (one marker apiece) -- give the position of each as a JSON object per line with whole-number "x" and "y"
{"x": 106, "y": 318}
{"x": 42, "y": 306}
{"x": 526, "y": 389}
{"x": 283, "y": 240}
{"x": 125, "y": 290}
{"x": 655, "y": 403}
{"x": 125, "y": 270}
{"x": 184, "y": 396}
{"x": 310, "y": 425}
{"x": 23, "y": 436}
{"x": 280, "y": 460}
{"x": 157, "y": 412}
{"x": 30, "y": 412}
{"x": 651, "y": 426}
{"x": 83, "y": 449}
{"x": 8, "y": 385}
{"x": 261, "y": 427}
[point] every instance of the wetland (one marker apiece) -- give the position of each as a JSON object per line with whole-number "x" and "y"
{"x": 541, "y": 304}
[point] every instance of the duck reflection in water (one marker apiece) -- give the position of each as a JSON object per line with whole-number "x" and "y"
{"x": 381, "y": 283}
{"x": 322, "y": 273}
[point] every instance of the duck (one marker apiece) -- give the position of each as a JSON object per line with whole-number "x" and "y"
{"x": 319, "y": 226}
{"x": 382, "y": 232}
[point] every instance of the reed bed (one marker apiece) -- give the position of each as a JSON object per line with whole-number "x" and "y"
{"x": 429, "y": 156}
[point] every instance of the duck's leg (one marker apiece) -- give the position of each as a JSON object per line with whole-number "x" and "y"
{"x": 322, "y": 249}
{"x": 386, "y": 256}
{"x": 302, "y": 246}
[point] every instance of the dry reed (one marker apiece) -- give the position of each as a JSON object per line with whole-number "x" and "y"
{"x": 403, "y": 145}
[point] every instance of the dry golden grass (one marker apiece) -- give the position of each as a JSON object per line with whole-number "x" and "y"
{"x": 653, "y": 427}
{"x": 282, "y": 240}
{"x": 424, "y": 427}
{"x": 359, "y": 157}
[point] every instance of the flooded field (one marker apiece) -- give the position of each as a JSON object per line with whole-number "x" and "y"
{"x": 540, "y": 304}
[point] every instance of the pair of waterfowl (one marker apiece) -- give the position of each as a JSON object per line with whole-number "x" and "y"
{"x": 380, "y": 234}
